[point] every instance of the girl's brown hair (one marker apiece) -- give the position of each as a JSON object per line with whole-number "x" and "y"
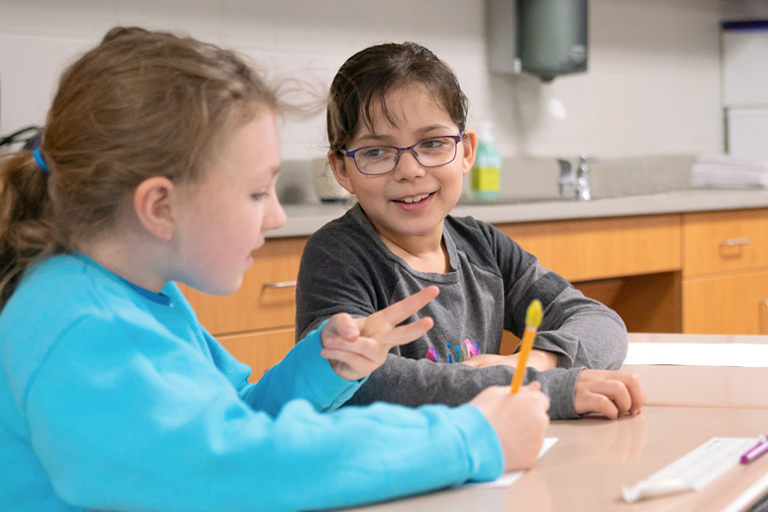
{"x": 365, "y": 79}
{"x": 141, "y": 104}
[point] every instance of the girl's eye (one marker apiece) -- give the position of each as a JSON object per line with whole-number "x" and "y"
{"x": 375, "y": 153}
{"x": 432, "y": 144}
{"x": 258, "y": 196}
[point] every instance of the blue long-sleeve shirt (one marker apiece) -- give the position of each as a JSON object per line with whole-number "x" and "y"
{"x": 116, "y": 398}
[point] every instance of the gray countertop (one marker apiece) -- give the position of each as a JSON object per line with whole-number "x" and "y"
{"x": 303, "y": 220}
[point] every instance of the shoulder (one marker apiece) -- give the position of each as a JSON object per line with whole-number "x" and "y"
{"x": 477, "y": 238}
{"x": 469, "y": 227}
{"x": 348, "y": 239}
{"x": 66, "y": 290}
{"x": 59, "y": 298}
{"x": 348, "y": 226}
{"x": 60, "y": 284}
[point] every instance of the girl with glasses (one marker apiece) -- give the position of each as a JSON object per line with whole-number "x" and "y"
{"x": 396, "y": 124}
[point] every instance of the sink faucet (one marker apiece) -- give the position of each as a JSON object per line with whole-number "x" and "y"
{"x": 574, "y": 178}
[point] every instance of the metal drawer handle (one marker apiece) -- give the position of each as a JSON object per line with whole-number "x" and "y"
{"x": 283, "y": 284}
{"x": 736, "y": 241}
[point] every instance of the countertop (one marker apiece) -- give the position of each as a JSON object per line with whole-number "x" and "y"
{"x": 303, "y": 220}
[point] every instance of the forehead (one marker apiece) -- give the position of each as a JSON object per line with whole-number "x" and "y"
{"x": 251, "y": 151}
{"x": 402, "y": 106}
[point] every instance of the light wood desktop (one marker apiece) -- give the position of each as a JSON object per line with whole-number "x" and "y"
{"x": 702, "y": 386}
{"x": 594, "y": 457}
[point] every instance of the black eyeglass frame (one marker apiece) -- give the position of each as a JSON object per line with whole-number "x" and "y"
{"x": 351, "y": 153}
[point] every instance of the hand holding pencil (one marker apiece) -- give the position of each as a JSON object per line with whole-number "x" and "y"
{"x": 610, "y": 393}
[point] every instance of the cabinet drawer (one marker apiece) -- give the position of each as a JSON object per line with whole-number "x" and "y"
{"x": 585, "y": 250}
{"x": 726, "y": 305}
{"x": 724, "y": 241}
{"x": 261, "y": 351}
{"x": 267, "y": 298}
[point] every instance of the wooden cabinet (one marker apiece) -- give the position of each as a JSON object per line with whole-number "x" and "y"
{"x": 590, "y": 249}
{"x": 725, "y": 272}
{"x": 256, "y": 322}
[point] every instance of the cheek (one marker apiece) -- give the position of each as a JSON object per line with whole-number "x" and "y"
{"x": 374, "y": 187}
{"x": 453, "y": 176}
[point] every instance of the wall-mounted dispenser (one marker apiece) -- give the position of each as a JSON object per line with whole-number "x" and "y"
{"x": 545, "y": 38}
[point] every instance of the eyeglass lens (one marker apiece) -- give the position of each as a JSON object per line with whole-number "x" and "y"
{"x": 429, "y": 153}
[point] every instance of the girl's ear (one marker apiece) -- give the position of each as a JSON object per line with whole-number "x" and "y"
{"x": 339, "y": 167}
{"x": 153, "y": 203}
{"x": 470, "y": 146}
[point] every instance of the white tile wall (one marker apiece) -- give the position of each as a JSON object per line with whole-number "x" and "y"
{"x": 653, "y": 85}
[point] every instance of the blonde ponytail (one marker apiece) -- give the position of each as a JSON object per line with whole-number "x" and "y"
{"x": 26, "y": 227}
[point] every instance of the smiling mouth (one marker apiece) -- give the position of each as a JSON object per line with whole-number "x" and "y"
{"x": 413, "y": 199}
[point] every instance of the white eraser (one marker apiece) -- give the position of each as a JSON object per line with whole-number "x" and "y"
{"x": 654, "y": 488}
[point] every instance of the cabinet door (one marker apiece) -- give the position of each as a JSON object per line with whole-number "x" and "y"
{"x": 267, "y": 298}
{"x": 584, "y": 250}
{"x": 725, "y": 241}
{"x": 259, "y": 350}
{"x": 734, "y": 304}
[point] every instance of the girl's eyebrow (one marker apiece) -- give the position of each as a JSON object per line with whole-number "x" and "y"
{"x": 423, "y": 131}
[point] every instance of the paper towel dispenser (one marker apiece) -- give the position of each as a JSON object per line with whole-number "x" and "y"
{"x": 545, "y": 38}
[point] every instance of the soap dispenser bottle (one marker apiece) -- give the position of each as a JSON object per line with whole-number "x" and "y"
{"x": 487, "y": 166}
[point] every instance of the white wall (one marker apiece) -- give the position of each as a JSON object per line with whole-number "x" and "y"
{"x": 653, "y": 85}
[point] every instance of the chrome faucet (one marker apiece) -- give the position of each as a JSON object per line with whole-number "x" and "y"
{"x": 575, "y": 178}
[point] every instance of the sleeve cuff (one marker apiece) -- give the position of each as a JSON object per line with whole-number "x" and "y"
{"x": 320, "y": 378}
{"x": 484, "y": 449}
{"x": 559, "y": 384}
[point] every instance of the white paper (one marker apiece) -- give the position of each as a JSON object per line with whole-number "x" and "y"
{"x": 508, "y": 479}
{"x": 699, "y": 354}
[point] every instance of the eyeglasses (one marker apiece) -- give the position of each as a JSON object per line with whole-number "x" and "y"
{"x": 432, "y": 152}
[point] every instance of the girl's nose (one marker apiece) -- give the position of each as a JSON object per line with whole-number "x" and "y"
{"x": 275, "y": 217}
{"x": 407, "y": 167}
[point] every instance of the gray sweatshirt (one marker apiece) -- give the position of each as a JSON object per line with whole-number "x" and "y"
{"x": 347, "y": 268}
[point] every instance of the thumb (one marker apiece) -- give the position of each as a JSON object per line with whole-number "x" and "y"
{"x": 343, "y": 326}
{"x": 532, "y": 386}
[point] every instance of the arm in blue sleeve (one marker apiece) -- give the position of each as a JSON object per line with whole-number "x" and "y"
{"x": 142, "y": 423}
{"x": 302, "y": 374}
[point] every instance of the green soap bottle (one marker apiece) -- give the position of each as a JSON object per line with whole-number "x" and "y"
{"x": 487, "y": 166}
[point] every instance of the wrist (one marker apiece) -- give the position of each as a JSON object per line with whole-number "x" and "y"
{"x": 542, "y": 360}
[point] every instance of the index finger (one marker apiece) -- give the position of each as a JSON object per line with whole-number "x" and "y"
{"x": 400, "y": 311}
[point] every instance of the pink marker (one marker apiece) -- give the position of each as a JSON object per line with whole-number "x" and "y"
{"x": 472, "y": 351}
{"x": 432, "y": 355}
{"x": 756, "y": 451}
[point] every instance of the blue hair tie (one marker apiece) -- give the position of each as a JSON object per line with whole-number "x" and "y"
{"x": 40, "y": 160}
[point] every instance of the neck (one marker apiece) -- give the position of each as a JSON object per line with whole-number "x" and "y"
{"x": 127, "y": 257}
{"x": 425, "y": 253}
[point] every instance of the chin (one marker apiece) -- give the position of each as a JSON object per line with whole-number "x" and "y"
{"x": 222, "y": 289}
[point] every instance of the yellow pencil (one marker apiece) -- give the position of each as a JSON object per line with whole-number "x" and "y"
{"x": 532, "y": 322}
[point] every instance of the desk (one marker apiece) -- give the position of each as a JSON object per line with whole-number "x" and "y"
{"x": 593, "y": 458}
{"x": 702, "y": 386}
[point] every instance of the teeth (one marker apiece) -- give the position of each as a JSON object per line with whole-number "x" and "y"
{"x": 415, "y": 199}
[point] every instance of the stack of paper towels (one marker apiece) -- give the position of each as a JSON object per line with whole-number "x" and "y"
{"x": 723, "y": 171}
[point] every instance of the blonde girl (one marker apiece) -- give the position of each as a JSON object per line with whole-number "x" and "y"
{"x": 158, "y": 165}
